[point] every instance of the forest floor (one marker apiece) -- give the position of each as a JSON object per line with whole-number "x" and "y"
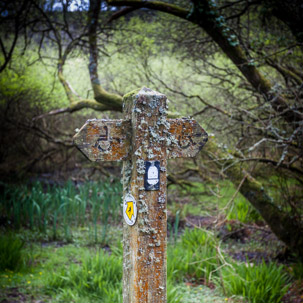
{"x": 246, "y": 241}
{"x": 242, "y": 242}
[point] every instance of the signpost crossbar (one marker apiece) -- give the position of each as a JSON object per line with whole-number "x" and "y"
{"x": 144, "y": 139}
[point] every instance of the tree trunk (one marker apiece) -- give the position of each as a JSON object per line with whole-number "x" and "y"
{"x": 286, "y": 228}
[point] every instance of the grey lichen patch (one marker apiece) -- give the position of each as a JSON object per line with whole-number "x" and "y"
{"x": 140, "y": 166}
{"x": 154, "y": 102}
{"x": 151, "y": 93}
{"x": 143, "y": 207}
{"x": 161, "y": 199}
{"x": 171, "y": 140}
{"x": 126, "y": 172}
{"x": 150, "y": 154}
{"x": 137, "y": 110}
{"x": 163, "y": 121}
{"x": 153, "y": 132}
{"x": 151, "y": 255}
{"x": 148, "y": 230}
{"x": 172, "y": 155}
{"x": 141, "y": 125}
{"x": 153, "y": 230}
{"x": 145, "y": 230}
{"x": 162, "y": 110}
{"x": 145, "y": 220}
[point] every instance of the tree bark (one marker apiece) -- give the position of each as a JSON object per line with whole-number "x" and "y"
{"x": 100, "y": 95}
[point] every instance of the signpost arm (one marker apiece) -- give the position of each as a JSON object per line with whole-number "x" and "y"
{"x": 144, "y": 253}
{"x": 144, "y": 140}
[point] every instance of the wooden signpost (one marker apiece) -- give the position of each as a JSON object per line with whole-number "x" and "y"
{"x": 143, "y": 140}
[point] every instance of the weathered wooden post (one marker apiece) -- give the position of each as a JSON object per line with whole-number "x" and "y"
{"x": 144, "y": 140}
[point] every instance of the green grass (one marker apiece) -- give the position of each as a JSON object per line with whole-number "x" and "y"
{"x": 194, "y": 258}
{"x": 88, "y": 274}
{"x": 82, "y": 271}
{"x": 11, "y": 253}
{"x": 203, "y": 294}
{"x": 78, "y": 273}
{"x": 258, "y": 283}
{"x": 296, "y": 270}
{"x": 98, "y": 278}
{"x": 55, "y": 210}
{"x": 211, "y": 200}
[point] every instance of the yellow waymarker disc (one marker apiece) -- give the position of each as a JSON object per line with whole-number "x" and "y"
{"x": 129, "y": 209}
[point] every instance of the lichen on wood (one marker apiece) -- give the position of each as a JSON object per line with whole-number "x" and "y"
{"x": 144, "y": 265}
{"x": 145, "y": 134}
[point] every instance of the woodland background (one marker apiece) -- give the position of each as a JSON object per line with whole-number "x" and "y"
{"x": 235, "y": 66}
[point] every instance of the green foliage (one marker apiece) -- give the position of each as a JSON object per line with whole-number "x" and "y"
{"x": 11, "y": 253}
{"x": 213, "y": 198}
{"x": 262, "y": 283}
{"x": 98, "y": 277}
{"x": 287, "y": 194}
{"x": 85, "y": 280}
{"x": 243, "y": 211}
{"x": 59, "y": 208}
{"x": 296, "y": 270}
{"x": 174, "y": 228}
{"x": 173, "y": 293}
{"x": 194, "y": 257}
{"x": 197, "y": 238}
{"x": 33, "y": 80}
{"x": 80, "y": 274}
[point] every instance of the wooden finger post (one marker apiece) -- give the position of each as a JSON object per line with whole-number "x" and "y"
{"x": 143, "y": 140}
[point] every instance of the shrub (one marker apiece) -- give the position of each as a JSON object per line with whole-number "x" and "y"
{"x": 262, "y": 283}
{"x": 97, "y": 277}
{"x": 195, "y": 257}
{"x": 243, "y": 212}
{"x": 173, "y": 294}
{"x": 11, "y": 253}
{"x": 296, "y": 270}
{"x": 60, "y": 208}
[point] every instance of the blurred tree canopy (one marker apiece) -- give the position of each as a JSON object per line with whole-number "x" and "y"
{"x": 236, "y": 66}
